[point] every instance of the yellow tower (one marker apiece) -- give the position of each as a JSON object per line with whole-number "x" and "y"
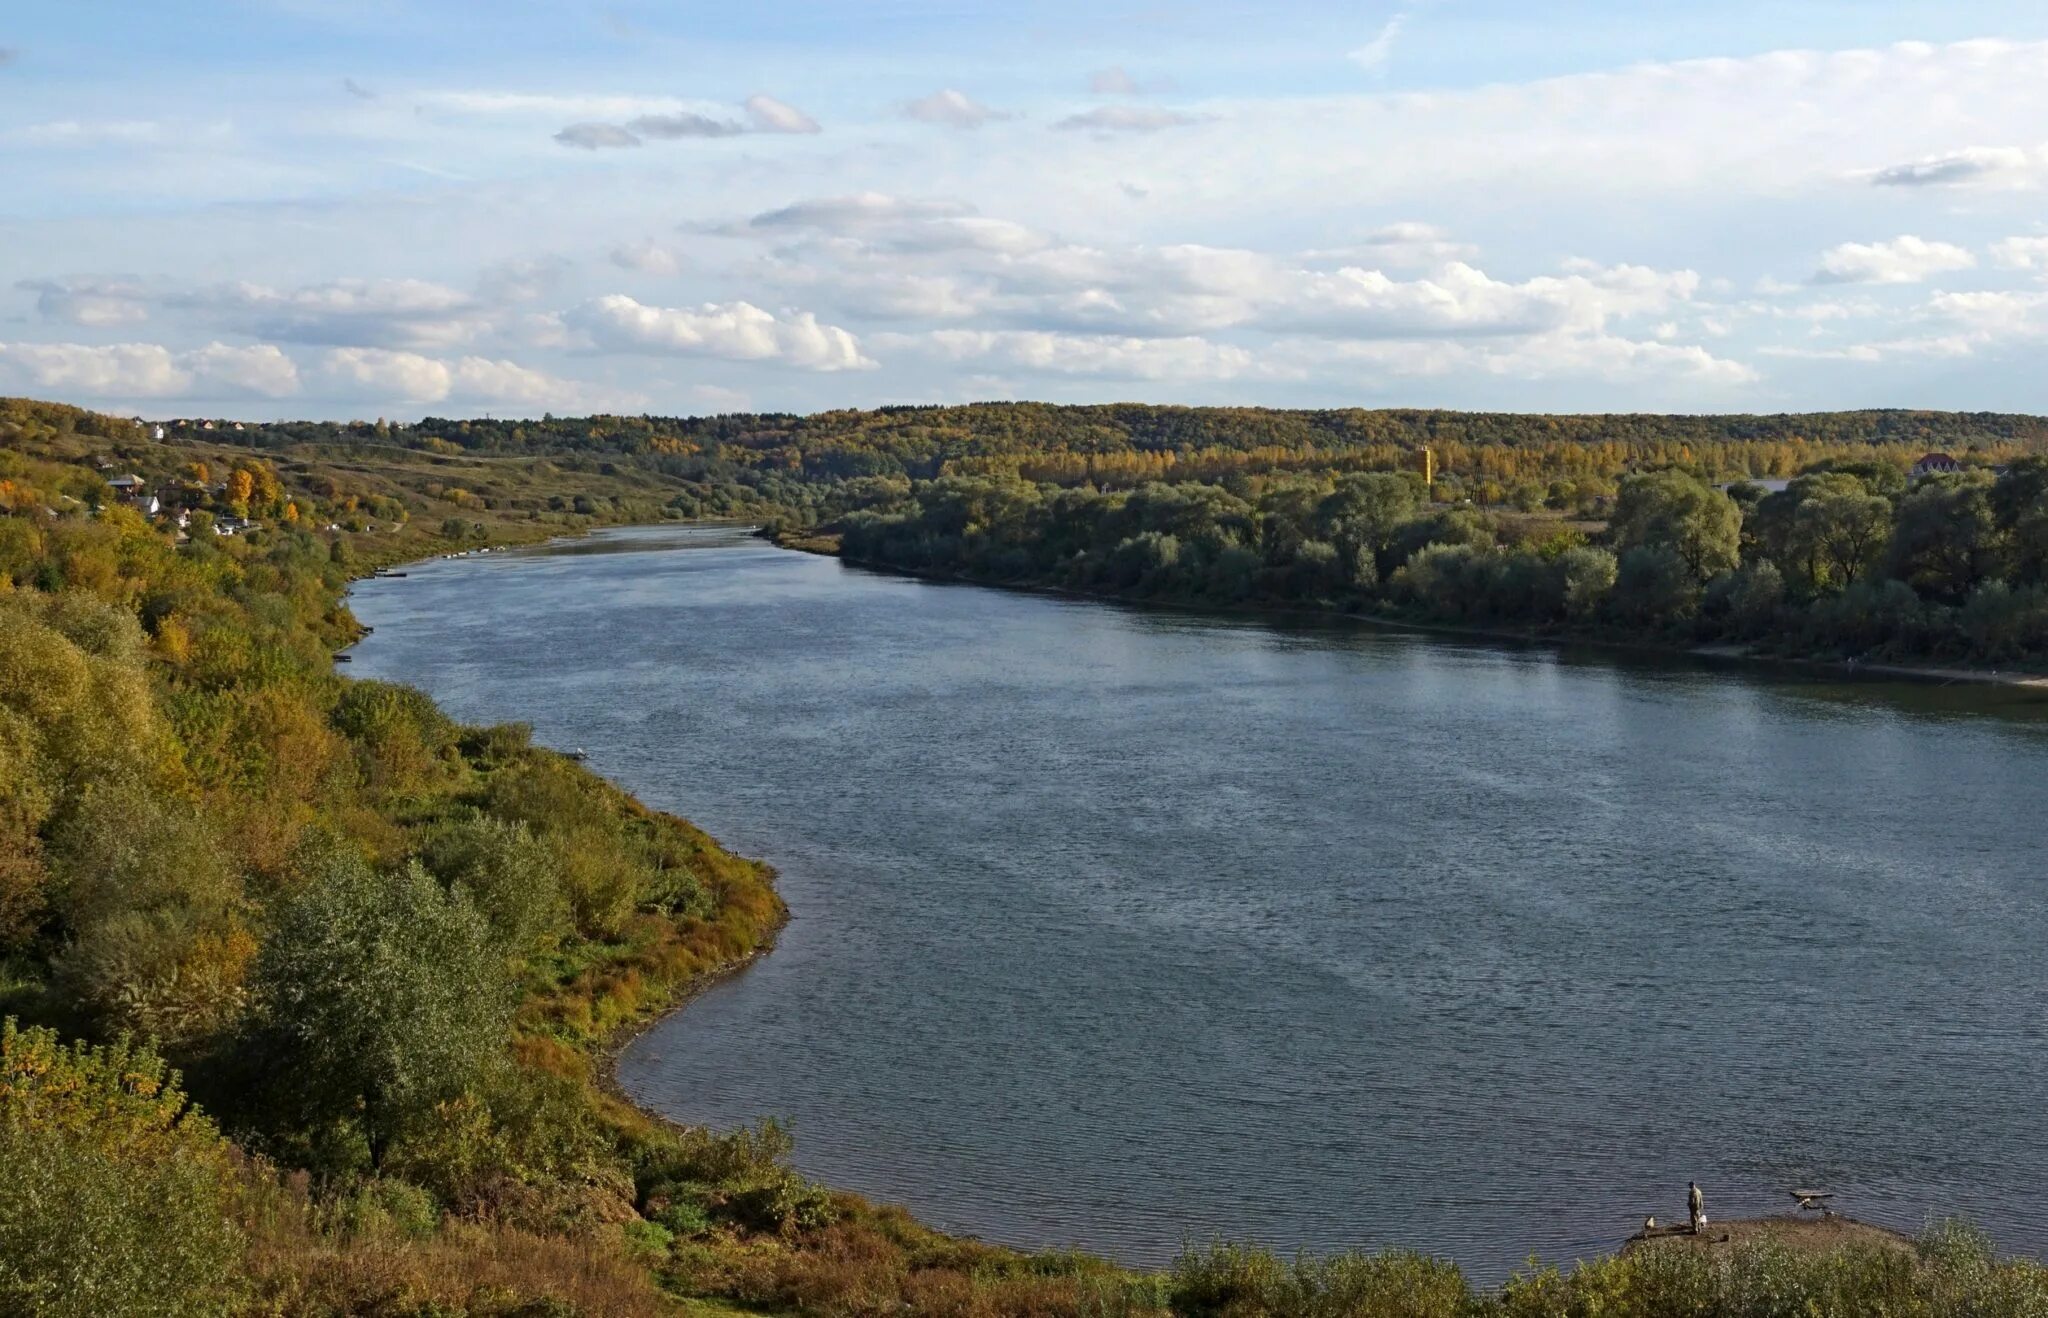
{"x": 1429, "y": 467}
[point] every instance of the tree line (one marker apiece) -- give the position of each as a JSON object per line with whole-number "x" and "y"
{"x": 1847, "y": 561}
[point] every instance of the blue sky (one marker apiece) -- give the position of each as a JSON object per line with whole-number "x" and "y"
{"x": 393, "y": 207}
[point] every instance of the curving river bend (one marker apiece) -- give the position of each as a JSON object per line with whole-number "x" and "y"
{"x": 1121, "y": 928}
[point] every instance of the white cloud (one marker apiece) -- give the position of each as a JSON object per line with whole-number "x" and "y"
{"x": 1374, "y": 54}
{"x": 597, "y": 137}
{"x": 773, "y": 116}
{"x": 647, "y": 256}
{"x": 860, "y": 210}
{"x": 119, "y": 370}
{"x": 1902, "y": 260}
{"x": 684, "y": 123}
{"x": 381, "y": 375}
{"x": 2027, "y": 253}
{"x": 256, "y": 369}
{"x": 508, "y": 382}
{"x": 1992, "y": 314}
{"x": 737, "y": 331}
{"x": 407, "y": 313}
{"x": 1407, "y": 243}
{"x": 123, "y": 371}
{"x": 94, "y": 302}
{"x": 529, "y": 105}
{"x": 1980, "y": 166}
{"x": 1125, "y": 119}
{"x": 1188, "y": 358}
{"x": 952, "y": 109}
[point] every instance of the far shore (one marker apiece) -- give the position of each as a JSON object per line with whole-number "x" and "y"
{"x": 1856, "y": 669}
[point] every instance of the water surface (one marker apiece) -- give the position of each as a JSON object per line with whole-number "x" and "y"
{"x": 1120, "y": 928}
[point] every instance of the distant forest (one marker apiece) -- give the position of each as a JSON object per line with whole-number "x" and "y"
{"x": 1815, "y": 535}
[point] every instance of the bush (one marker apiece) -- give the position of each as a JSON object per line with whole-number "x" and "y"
{"x": 515, "y": 879}
{"x": 115, "y": 1194}
{"x": 378, "y": 996}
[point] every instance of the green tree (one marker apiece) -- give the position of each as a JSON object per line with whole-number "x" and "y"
{"x": 1671, "y": 510}
{"x": 1946, "y": 538}
{"x": 379, "y": 994}
{"x": 1840, "y": 530}
{"x": 1365, "y": 512}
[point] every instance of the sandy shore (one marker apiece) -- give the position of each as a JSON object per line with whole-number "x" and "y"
{"x": 1802, "y": 1231}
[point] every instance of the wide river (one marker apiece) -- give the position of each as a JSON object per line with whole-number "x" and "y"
{"x": 1126, "y": 928}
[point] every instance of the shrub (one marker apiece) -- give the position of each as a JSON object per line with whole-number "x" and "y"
{"x": 515, "y": 880}
{"x": 115, "y": 1195}
{"x": 378, "y": 996}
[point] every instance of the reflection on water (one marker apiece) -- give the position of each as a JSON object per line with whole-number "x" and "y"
{"x": 1126, "y": 927}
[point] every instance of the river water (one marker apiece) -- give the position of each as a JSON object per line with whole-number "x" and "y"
{"x": 1124, "y": 928}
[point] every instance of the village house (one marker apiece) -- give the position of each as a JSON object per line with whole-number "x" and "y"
{"x": 1935, "y": 464}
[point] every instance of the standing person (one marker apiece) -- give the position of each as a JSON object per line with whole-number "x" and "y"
{"x": 1695, "y": 1206}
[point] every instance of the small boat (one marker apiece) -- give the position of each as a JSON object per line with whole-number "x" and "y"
{"x": 341, "y": 658}
{"x": 579, "y": 754}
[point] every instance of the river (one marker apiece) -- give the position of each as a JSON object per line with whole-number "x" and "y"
{"x": 1123, "y": 928}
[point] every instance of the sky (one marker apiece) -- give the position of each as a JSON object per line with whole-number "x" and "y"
{"x": 363, "y": 208}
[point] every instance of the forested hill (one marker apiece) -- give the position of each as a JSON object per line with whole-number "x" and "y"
{"x": 914, "y": 440}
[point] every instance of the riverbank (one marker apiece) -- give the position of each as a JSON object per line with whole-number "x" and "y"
{"x": 828, "y": 546}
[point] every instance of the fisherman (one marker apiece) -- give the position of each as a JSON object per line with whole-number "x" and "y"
{"x": 1695, "y": 1206}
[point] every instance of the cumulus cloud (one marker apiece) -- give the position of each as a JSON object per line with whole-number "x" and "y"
{"x": 1977, "y": 165}
{"x": 855, "y": 211}
{"x": 94, "y": 302}
{"x": 1186, "y": 358}
{"x": 2028, "y": 253}
{"x": 1125, "y": 119}
{"x": 117, "y": 370}
{"x": 597, "y": 137}
{"x": 684, "y": 124}
{"x": 261, "y": 369}
{"x": 1903, "y": 260}
{"x": 738, "y": 331}
{"x": 522, "y": 279}
{"x": 381, "y": 374}
{"x": 1406, "y": 243}
{"x": 645, "y": 120}
{"x": 408, "y": 313}
{"x": 647, "y": 256}
{"x": 952, "y": 109}
{"x": 124, "y": 371}
{"x": 773, "y": 116}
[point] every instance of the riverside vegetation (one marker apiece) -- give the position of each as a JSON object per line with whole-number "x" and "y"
{"x": 307, "y": 988}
